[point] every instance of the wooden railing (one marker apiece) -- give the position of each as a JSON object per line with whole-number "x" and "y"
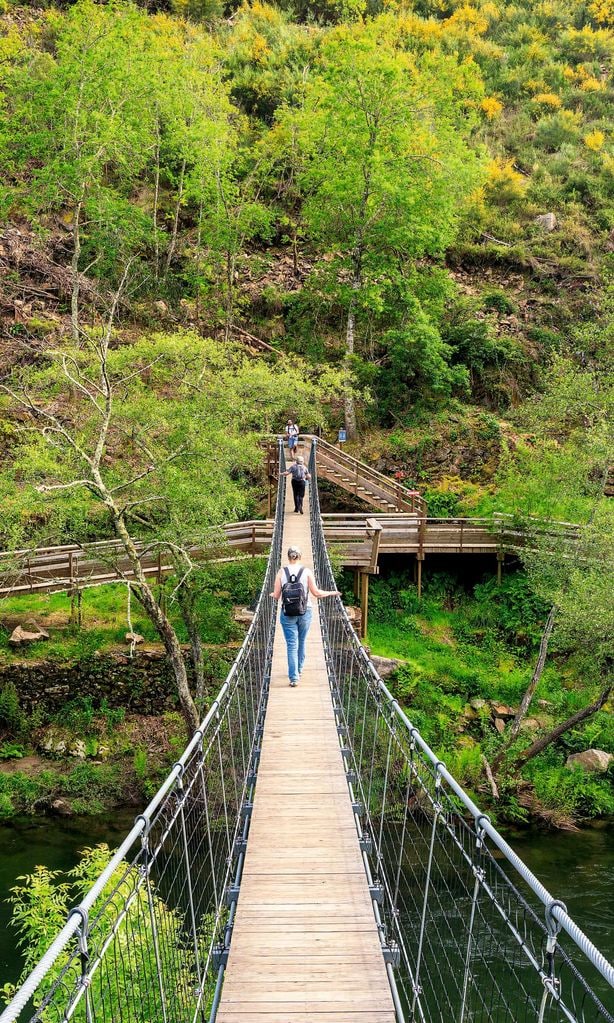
{"x": 364, "y": 482}
{"x": 74, "y": 568}
{"x": 405, "y": 534}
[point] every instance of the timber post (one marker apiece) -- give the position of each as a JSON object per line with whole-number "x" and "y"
{"x": 364, "y": 603}
{"x": 500, "y": 560}
{"x": 419, "y": 560}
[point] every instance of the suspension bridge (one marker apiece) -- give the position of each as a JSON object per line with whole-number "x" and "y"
{"x": 309, "y": 858}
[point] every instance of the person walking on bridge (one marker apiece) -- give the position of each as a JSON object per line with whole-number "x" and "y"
{"x": 299, "y": 474}
{"x": 296, "y": 584}
{"x": 292, "y": 435}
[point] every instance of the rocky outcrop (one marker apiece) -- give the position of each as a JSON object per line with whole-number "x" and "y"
{"x": 547, "y": 222}
{"x": 29, "y": 632}
{"x": 385, "y": 666}
{"x": 595, "y": 760}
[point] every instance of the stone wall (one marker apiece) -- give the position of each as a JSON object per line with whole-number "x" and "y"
{"x": 143, "y": 684}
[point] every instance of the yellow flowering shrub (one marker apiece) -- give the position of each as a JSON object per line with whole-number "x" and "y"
{"x": 504, "y": 183}
{"x": 492, "y": 107}
{"x": 260, "y": 48}
{"x": 469, "y": 18}
{"x": 548, "y": 99}
{"x": 594, "y": 140}
{"x": 592, "y": 85}
{"x": 602, "y": 11}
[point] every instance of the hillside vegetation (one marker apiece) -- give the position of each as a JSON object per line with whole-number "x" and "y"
{"x": 395, "y": 217}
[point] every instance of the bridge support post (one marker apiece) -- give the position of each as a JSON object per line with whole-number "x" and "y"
{"x": 364, "y": 603}
{"x": 500, "y": 560}
{"x": 419, "y": 561}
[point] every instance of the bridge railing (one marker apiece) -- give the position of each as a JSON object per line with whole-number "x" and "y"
{"x": 148, "y": 943}
{"x": 74, "y": 568}
{"x": 468, "y": 932}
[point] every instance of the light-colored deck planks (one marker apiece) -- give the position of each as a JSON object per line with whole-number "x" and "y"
{"x": 305, "y": 947}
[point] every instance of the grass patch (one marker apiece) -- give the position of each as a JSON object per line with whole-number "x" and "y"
{"x": 104, "y": 615}
{"x": 464, "y": 650}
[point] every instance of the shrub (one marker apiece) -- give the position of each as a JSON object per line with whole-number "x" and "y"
{"x": 499, "y": 301}
{"x": 576, "y": 792}
{"x": 11, "y": 714}
{"x": 555, "y": 130}
{"x": 594, "y": 140}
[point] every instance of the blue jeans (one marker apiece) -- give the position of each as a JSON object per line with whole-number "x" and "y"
{"x": 295, "y": 634}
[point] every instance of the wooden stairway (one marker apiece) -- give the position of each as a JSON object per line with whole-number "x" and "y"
{"x": 368, "y": 484}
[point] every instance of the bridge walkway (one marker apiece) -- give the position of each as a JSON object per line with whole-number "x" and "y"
{"x": 305, "y": 945}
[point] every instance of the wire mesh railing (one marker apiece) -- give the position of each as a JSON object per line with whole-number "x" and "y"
{"x": 149, "y": 942}
{"x": 469, "y": 933}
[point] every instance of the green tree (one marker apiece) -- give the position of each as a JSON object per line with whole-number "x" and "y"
{"x": 79, "y": 130}
{"x": 387, "y": 168}
{"x": 161, "y": 437}
{"x": 129, "y": 973}
{"x": 563, "y": 473}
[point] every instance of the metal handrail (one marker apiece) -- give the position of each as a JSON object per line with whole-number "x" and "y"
{"x": 441, "y": 797}
{"x": 70, "y": 940}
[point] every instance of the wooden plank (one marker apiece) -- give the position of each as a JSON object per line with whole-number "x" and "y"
{"x": 305, "y": 946}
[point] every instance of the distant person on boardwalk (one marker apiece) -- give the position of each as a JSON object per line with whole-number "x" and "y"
{"x": 296, "y": 584}
{"x": 292, "y": 434}
{"x": 299, "y": 475}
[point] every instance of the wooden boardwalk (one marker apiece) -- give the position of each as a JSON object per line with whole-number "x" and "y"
{"x": 305, "y": 947}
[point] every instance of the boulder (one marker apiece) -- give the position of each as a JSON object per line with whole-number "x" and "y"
{"x": 53, "y": 744}
{"x": 384, "y": 666}
{"x": 355, "y": 616}
{"x": 32, "y": 634}
{"x": 500, "y": 725}
{"x": 243, "y": 615}
{"x": 477, "y": 704}
{"x": 134, "y": 638}
{"x": 547, "y": 221}
{"x": 530, "y": 724}
{"x": 502, "y": 710}
{"x": 77, "y": 748}
{"x": 596, "y": 760}
{"x": 61, "y": 807}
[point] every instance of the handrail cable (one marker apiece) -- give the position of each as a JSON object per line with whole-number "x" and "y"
{"x": 430, "y": 862}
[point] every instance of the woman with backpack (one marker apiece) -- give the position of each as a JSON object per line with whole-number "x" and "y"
{"x": 296, "y": 584}
{"x": 299, "y": 474}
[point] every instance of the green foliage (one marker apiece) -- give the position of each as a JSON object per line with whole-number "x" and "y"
{"x": 40, "y": 906}
{"x": 576, "y": 792}
{"x": 462, "y": 648}
{"x": 11, "y": 716}
{"x": 12, "y": 751}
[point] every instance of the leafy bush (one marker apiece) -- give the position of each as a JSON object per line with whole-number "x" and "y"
{"x": 11, "y": 714}
{"x": 576, "y": 792}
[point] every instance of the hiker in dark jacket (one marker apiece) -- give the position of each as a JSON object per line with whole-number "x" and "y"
{"x": 296, "y": 625}
{"x": 299, "y": 474}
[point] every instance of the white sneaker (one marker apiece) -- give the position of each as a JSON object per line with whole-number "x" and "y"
{"x": 293, "y": 681}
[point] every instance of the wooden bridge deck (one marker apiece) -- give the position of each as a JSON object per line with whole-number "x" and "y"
{"x": 305, "y": 945}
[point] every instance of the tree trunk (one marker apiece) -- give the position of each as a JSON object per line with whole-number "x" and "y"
{"x": 76, "y": 252}
{"x": 186, "y": 606}
{"x": 229, "y": 303}
{"x": 575, "y": 719}
{"x": 533, "y": 684}
{"x": 162, "y": 624}
{"x": 156, "y": 202}
{"x": 171, "y": 248}
{"x": 350, "y": 411}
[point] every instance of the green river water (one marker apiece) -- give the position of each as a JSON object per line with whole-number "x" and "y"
{"x": 577, "y": 867}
